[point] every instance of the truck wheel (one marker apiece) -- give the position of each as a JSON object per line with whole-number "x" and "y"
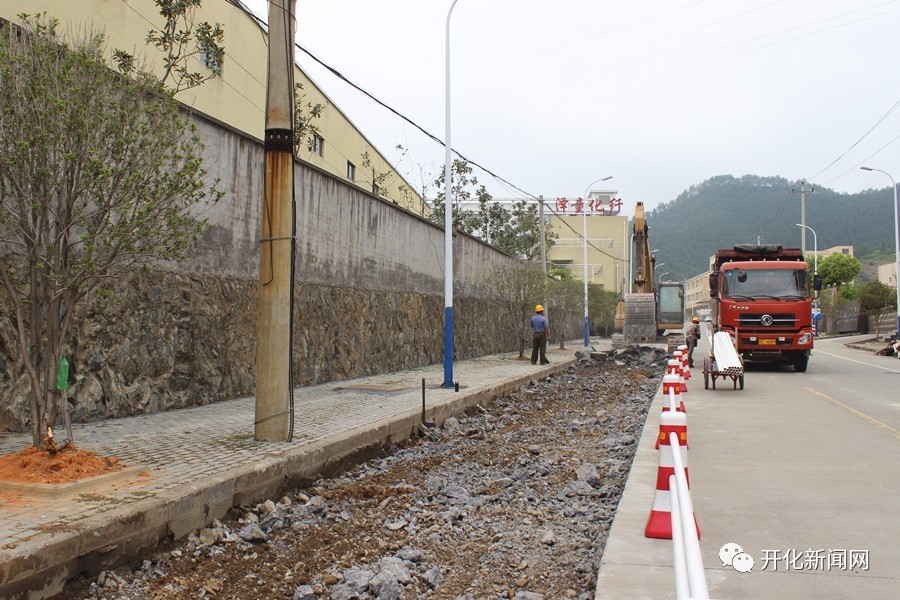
{"x": 706, "y": 373}
{"x": 800, "y": 363}
{"x": 741, "y": 381}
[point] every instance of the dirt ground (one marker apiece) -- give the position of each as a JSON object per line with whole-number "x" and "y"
{"x": 32, "y": 465}
{"x": 513, "y": 501}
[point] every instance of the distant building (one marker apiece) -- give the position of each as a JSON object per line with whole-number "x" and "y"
{"x": 848, "y": 250}
{"x": 608, "y": 237}
{"x": 696, "y": 295}
{"x": 887, "y": 274}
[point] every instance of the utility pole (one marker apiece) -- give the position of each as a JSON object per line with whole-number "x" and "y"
{"x": 541, "y": 229}
{"x": 273, "y": 349}
{"x": 803, "y": 190}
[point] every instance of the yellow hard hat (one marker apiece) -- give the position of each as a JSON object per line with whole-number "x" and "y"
{"x": 538, "y": 308}
{"x": 695, "y": 320}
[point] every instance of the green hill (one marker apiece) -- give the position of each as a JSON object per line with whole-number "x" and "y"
{"x": 726, "y": 210}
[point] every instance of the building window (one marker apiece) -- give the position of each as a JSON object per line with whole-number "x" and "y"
{"x": 211, "y": 63}
{"x": 318, "y": 145}
{"x": 351, "y": 171}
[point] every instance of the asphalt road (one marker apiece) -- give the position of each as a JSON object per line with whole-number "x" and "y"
{"x": 801, "y": 470}
{"x": 856, "y": 380}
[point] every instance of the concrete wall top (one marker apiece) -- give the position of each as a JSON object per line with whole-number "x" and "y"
{"x": 345, "y": 236}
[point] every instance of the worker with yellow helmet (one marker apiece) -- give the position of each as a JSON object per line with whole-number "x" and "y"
{"x": 692, "y": 336}
{"x": 540, "y": 333}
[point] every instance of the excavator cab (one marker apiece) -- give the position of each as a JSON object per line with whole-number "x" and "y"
{"x": 669, "y": 306}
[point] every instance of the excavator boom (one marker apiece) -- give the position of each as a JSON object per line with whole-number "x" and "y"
{"x": 638, "y": 315}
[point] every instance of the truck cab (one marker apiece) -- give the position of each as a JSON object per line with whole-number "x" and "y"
{"x": 764, "y": 302}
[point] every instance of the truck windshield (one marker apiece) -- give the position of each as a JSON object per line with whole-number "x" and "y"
{"x": 788, "y": 284}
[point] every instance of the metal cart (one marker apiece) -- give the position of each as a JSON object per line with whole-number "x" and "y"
{"x": 723, "y": 361}
{"x": 711, "y": 373}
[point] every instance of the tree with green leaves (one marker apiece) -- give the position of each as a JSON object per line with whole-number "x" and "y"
{"x": 565, "y": 297}
{"x": 515, "y": 231}
{"x": 839, "y": 269}
{"x": 521, "y": 235}
{"x": 427, "y": 180}
{"x": 465, "y": 192}
{"x": 306, "y": 113}
{"x": 520, "y": 288}
{"x": 601, "y": 309}
{"x": 184, "y": 43}
{"x": 99, "y": 173}
{"x": 875, "y": 297}
{"x": 380, "y": 179}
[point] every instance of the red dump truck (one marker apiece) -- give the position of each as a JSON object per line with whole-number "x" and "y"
{"x": 761, "y": 296}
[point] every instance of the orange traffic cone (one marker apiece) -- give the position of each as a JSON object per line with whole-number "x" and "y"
{"x": 671, "y": 387}
{"x": 674, "y": 367}
{"x": 685, "y": 366}
{"x": 659, "y": 525}
{"x": 671, "y": 383}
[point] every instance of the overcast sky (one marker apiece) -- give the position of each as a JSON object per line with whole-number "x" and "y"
{"x": 660, "y": 94}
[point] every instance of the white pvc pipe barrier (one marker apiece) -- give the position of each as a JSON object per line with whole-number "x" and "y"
{"x": 682, "y": 588}
{"x": 686, "y": 531}
{"x": 672, "y": 406}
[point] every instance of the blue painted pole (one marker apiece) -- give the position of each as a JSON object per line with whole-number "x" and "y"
{"x": 448, "y": 347}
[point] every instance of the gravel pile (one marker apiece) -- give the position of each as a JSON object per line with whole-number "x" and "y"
{"x": 513, "y": 501}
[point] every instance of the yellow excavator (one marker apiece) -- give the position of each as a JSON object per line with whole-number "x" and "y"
{"x": 653, "y": 312}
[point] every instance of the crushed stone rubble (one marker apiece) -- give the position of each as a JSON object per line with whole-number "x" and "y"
{"x": 512, "y": 501}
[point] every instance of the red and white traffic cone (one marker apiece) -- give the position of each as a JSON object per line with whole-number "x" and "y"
{"x": 685, "y": 364}
{"x": 671, "y": 383}
{"x": 671, "y": 387}
{"x": 674, "y": 367}
{"x": 659, "y": 525}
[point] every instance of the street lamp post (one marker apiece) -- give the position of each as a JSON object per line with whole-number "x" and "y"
{"x": 896, "y": 242}
{"x": 815, "y": 272}
{"x": 448, "y": 228}
{"x": 815, "y": 247}
{"x": 587, "y": 327}
{"x": 659, "y": 279}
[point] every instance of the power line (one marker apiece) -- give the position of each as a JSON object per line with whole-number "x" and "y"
{"x": 871, "y": 129}
{"x": 860, "y": 163}
{"x": 428, "y": 134}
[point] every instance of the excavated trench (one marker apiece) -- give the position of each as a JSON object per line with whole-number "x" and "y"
{"x": 513, "y": 501}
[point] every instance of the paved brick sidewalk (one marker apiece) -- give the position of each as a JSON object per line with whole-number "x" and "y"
{"x": 189, "y": 466}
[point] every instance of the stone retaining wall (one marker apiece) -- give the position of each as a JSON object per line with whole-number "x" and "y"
{"x": 370, "y": 300}
{"x": 170, "y": 340}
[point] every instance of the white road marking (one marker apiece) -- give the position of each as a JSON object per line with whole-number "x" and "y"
{"x": 856, "y": 361}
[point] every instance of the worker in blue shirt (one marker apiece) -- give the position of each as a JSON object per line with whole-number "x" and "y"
{"x": 541, "y": 331}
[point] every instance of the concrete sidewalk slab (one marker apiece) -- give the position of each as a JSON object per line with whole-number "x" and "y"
{"x": 191, "y": 466}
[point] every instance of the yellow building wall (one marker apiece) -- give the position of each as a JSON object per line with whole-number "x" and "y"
{"x": 607, "y": 252}
{"x": 238, "y": 97}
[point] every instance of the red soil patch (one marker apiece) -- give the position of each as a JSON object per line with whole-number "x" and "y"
{"x": 32, "y": 465}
